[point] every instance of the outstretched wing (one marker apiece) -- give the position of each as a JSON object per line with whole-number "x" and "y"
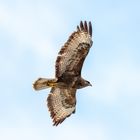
{"x": 74, "y": 51}
{"x": 61, "y": 103}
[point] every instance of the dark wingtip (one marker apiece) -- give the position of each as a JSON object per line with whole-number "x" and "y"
{"x": 85, "y": 27}
{"x": 90, "y": 28}
{"x": 56, "y": 123}
{"x": 78, "y": 29}
{"x": 81, "y": 26}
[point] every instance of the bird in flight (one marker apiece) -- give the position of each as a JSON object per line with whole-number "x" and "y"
{"x": 61, "y": 101}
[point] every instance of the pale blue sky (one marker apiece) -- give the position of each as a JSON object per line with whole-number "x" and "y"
{"x": 31, "y": 34}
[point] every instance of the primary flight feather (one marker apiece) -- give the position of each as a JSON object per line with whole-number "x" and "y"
{"x": 62, "y": 98}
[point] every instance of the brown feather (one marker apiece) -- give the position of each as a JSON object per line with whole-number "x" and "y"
{"x": 78, "y": 29}
{"x": 73, "y": 51}
{"x": 86, "y": 27}
{"x": 61, "y": 104}
{"x": 90, "y": 29}
{"x": 81, "y": 26}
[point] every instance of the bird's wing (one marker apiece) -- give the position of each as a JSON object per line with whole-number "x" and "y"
{"x": 72, "y": 55}
{"x": 61, "y": 103}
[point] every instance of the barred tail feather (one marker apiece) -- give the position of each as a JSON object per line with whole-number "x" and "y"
{"x": 43, "y": 83}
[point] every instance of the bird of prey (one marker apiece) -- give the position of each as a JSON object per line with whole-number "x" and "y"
{"x": 62, "y": 98}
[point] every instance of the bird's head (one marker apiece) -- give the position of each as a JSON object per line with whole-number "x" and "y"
{"x": 83, "y": 83}
{"x": 87, "y": 83}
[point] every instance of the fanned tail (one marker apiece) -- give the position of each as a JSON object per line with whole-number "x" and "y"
{"x": 43, "y": 83}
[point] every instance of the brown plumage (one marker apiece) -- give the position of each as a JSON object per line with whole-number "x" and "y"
{"x": 62, "y": 98}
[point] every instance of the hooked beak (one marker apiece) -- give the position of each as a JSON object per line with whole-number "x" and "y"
{"x": 90, "y": 84}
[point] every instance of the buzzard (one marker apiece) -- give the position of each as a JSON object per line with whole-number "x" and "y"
{"x": 62, "y": 98}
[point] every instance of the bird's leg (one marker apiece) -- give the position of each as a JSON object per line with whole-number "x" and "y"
{"x": 51, "y": 83}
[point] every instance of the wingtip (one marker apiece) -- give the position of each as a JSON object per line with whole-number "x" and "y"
{"x": 90, "y": 28}
{"x": 78, "y": 29}
{"x": 57, "y": 122}
{"x": 84, "y": 26}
